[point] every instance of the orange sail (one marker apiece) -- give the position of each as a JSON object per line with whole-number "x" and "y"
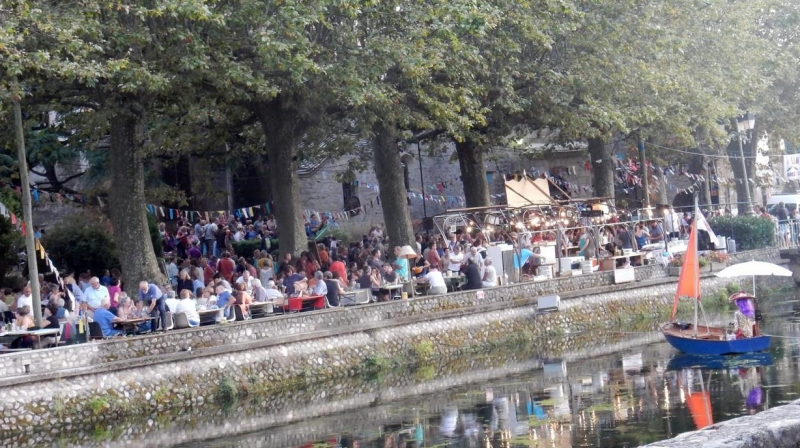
{"x": 689, "y": 281}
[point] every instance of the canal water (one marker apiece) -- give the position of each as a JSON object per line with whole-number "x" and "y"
{"x": 640, "y": 394}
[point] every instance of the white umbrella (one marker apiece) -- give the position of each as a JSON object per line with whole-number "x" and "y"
{"x": 754, "y": 268}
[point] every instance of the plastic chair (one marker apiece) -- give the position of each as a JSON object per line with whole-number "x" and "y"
{"x": 181, "y": 321}
{"x": 237, "y": 311}
{"x": 95, "y": 332}
{"x": 328, "y": 304}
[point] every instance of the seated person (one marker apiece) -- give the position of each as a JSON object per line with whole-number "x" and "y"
{"x": 333, "y": 288}
{"x": 388, "y": 277}
{"x": 106, "y": 319}
{"x": 187, "y": 306}
{"x": 436, "y": 280}
{"x": 273, "y": 295}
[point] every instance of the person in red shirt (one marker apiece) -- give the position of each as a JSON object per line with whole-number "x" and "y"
{"x": 339, "y": 267}
{"x": 208, "y": 271}
{"x": 225, "y": 266}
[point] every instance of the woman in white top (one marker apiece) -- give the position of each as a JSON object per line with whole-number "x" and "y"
{"x": 456, "y": 258}
{"x": 187, "y": 306}
{"x": 435, "y": 279}
{"x": 489, "y": 274}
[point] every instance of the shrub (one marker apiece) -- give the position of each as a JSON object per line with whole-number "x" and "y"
{"x": 750, "y": 232}
{"x": 245, "y": 248}
{"x": 11, "y": 242}
{"x": 79, "y": 247}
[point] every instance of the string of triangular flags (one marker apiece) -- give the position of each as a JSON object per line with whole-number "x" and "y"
{"x": 41, "y": 253}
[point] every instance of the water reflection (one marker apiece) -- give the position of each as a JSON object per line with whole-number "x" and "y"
{"x": 641, "y": 393}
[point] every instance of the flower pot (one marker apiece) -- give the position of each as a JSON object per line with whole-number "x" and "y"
{"x": 674, "y": 271}
{"x": 717, "y": 266}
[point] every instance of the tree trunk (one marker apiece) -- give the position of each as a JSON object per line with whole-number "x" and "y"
{"x": 473, "y": 174}
{"x": 392, "y": 188}
{"x": 742, "y": 181}
{"x": 602, "y": 167}
{"x": 127, "y": 202}
{"x": 283, "y": 128}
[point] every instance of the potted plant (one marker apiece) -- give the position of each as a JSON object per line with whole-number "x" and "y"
{"x": 674, "y": 266}
{"x": 718, "y": 260}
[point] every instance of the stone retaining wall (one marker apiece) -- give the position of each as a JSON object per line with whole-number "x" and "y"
{"x": 99, "y": 353}
{"x": 775, "y": 428}
{"x": 190, "y": 380}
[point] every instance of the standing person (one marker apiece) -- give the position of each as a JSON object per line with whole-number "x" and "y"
{"x": 672, "y": 223}
{"x": 338, "y": 266}
{"x": 151, "y": 293}
{"x": 489, "y": 279}
{"x": 782, "y": 213}
{"x": 226, "y": 266}
{"x": 209, "y": 235}
{"x": 401, "y": 265}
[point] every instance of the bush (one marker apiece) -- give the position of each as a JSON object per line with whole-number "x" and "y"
{"x": 245, "y": 248}
{"x": 750, "y": 232}
{"x": 11, "y": 243}
{"x": 79, "y": 247}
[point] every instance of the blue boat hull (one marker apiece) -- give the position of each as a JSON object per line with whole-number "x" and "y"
{"x": 711, "y": 347}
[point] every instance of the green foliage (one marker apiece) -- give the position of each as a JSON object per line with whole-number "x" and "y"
{"x": 750, "y": 232}
{"x": 732, "y": 288}
{"x": 152, "y": 226}
{"x": 11, "y": 242}
{"x": 424, "y": 350}
{"x": 341, "y": 235}
{"x": 98, "y": 404}
{"x": 245, "y": 248}
{"x": 12, "y": 200}
{"x": 81, "y": 246}
{"x": 227, "y": 392}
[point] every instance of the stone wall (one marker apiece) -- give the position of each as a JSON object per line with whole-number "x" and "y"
{"x": 192, "y": 379}
{"x": 775, "y": 428}
{"x": 148, "y": 349}
{"x": 321, "y": 191}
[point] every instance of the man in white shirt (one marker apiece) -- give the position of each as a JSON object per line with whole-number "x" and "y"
{"x": 672, "y": 223}
{"x": 456, "y": 258}
{"x": 489, "y": 274}
{"x": 186, "y": 305}
{"x": 435, "y": 279}
{"x": 26, "y": 299}
{"x": 247, "y": 280}
{"x": 95, "y": 293}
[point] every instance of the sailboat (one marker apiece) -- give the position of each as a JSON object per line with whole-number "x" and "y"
{"x": 698, "y": 339}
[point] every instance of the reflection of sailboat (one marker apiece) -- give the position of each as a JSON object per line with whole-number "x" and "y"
{"x": 698, "y": 339}
{"x": 698, "y": 402}
{"x": 685, "y": 361}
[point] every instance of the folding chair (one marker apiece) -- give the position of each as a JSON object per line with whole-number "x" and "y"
{"x": 181, "y": 321}
{"x": 95, "y": 332}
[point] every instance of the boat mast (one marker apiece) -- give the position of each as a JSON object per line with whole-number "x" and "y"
{"x": 697, "y": 283}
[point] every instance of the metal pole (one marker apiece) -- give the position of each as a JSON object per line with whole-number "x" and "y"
{"x": 746, "y": 179}
{"x": 645, "y": 181}
{"x": 30, "y": 244}
{"x": 421, "y": 181}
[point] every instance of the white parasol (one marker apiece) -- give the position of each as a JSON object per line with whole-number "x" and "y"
{"x": 754, "y": 268}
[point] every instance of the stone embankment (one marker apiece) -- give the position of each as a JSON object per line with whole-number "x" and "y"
{"x": 102, "y": 382}
{"x": 775, "y": 428}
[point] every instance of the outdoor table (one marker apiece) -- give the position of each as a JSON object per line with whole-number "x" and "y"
{"x": 454, "y": 282}
{"x": 44, "y": 332}
{"x": 296, "y": 303}
{"x": 610, "y": 263}
{"x": 260, "y": 309}
{"x": 133, "y": 323}
{"x": 208, "y": 317}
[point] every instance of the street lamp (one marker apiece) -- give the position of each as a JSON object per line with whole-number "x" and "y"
{"x": 745, "y": 123}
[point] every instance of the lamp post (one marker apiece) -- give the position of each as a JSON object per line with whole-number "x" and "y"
{"x": 745, "y": 123}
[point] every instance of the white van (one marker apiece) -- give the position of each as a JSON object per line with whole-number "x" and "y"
{"x": 789, "y": 200}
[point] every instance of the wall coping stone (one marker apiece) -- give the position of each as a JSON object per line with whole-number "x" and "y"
{"x": 309, "y": 325}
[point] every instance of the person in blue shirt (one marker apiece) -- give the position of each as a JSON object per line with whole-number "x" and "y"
{"x": 401, "y": 265}
{"x": 151, "y": 293}
{"x": 105, "y": 280}
{"x": 106, "y": 319}
{"x": 224, "y": 300}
